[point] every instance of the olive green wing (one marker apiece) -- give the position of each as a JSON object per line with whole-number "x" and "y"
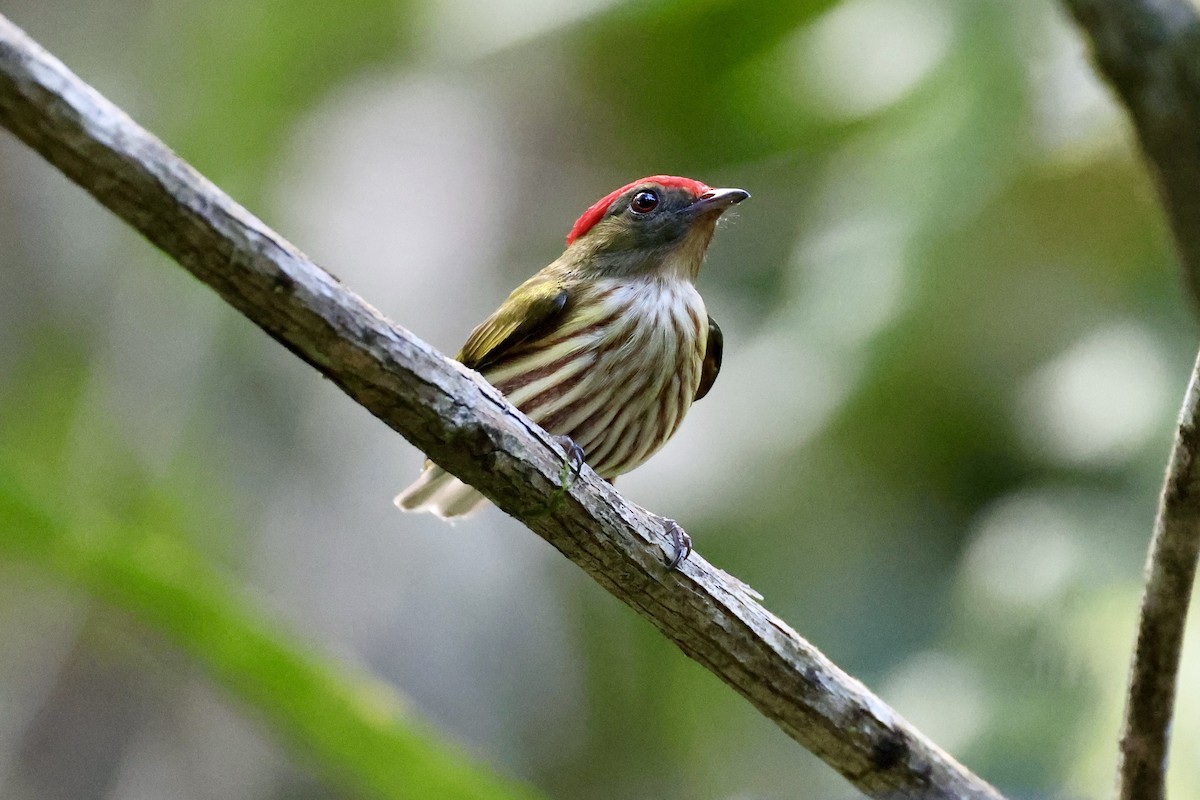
{"x": 531, "y": 309}
{"x": 713, "y": 351}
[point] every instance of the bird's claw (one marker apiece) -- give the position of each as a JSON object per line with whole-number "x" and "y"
{"x": 574, "y": 462}
{"x": 680, "y": 540}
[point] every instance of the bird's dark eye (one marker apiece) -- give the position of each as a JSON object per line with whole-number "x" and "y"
{"x": 644, "y": 202}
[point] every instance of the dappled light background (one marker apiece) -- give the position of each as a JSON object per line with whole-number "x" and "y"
{"x": 955, "y": 346}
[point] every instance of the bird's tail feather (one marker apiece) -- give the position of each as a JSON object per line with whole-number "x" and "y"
{"x": 441, "y": 494}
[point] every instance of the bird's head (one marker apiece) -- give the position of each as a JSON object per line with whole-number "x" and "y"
{"x": 657, "y": 225}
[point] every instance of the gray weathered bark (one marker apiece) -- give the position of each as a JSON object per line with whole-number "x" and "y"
{"x": 1149, "y": 51}
{"x": 467, "y": 427}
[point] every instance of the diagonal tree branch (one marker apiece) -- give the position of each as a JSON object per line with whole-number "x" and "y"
{"x": 468, "y": 428}
{"x": 1149, "y": 50}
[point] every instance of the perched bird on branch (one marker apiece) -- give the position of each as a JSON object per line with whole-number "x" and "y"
{"x": 609, "y": 345}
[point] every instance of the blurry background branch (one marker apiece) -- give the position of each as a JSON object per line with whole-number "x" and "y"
{"x": 1149, "y": 51}
{"x": 467, "y": 427}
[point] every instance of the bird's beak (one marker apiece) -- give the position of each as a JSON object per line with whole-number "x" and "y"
{"x": 717, "y": 200}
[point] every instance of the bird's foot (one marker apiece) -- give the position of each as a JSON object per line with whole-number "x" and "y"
{"x": 679, "y": 540}
{"x": 573, "y": 463}
{"x": 571, "y": 467}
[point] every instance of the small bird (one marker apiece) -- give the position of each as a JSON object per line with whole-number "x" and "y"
{"x": 609, "y": 345}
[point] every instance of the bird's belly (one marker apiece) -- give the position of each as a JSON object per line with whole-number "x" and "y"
{"x": 619, "y": 391}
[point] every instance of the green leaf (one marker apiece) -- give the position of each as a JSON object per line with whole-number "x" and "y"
{"x": 353, "y": 727}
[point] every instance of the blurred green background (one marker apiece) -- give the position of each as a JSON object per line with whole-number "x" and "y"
{"x": 956, "y": 344}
